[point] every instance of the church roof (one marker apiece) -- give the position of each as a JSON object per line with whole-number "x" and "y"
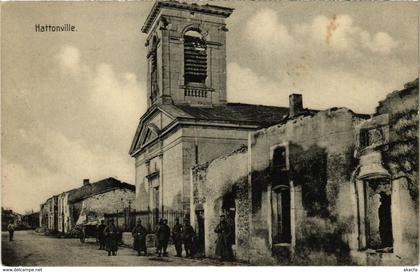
{"x": 209, "y": 9}
{"x": 237, "y": 113}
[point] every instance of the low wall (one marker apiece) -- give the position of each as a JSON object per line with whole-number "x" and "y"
{"x": 128, "y": 240}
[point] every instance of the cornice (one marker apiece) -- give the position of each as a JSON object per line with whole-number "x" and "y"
{"x": 206, "y": 9}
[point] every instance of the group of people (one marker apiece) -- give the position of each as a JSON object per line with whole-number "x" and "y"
{"x": 183, "y": 237}
{"x": 108, "y": 237}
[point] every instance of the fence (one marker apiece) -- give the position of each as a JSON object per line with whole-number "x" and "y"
{"x": 126, "y": 220}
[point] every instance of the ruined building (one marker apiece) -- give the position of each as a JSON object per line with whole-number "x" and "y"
{"x": 321, "y": 188}
{"x": 88, "y": 203}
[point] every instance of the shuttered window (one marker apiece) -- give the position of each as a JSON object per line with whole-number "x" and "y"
{"x": 195, "y": 59}
{"x": 153, "y": 73}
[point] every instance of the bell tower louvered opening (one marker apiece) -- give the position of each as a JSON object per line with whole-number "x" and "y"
{"x": 195, "y": 58}
{"x": 153, "y": 70}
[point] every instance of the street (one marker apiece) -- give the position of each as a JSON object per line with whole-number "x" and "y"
{"x": 33, "y": 249}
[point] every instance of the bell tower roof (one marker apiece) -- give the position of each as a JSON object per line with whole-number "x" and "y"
{"x": 206, "y": 9}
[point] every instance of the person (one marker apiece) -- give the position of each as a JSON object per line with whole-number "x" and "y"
{"x": 163, "y": 233}
{"x": 231, "y": 223}
{"x": 111, "y": 235}
{"x": 224, "y": 241}
{"x": 100, "y": 234}
{"x": 200, "y": 233}
{"x": 188, "y": 235}
{"x": 177, "y": 238}
{"x": 11, "y": 229}
{"x": 139, "y": 234}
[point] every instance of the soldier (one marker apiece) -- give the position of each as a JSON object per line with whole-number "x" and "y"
{"x": 111, "y": 234}
{"x": 100, "y": 234}
{"x": 163, "y": 233}
{"x": 188, "y": 235}
{"x": 139, "y": 233}
{"x": 11, "y": 229}
{"x": 177, "y": 237}
{"x": 224, "y": 240}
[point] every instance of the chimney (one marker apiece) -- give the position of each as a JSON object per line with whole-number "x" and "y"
{"x": 86, "y": 182}
{"x": 295, "y": 105}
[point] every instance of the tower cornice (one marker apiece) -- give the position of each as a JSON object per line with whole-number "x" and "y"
{"x": 206, "y": 9}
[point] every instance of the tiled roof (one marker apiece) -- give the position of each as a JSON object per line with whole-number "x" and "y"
{"x": 237, "y": 113}
{"x": 98, "y": 187}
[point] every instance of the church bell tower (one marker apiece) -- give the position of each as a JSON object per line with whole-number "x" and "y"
{"x": 186, "y": 54}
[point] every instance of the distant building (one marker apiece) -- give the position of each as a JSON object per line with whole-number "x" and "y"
{"x": 87, "y": 203}
{"x": 48, "y": 215}
{"x": 325, "y": 188}
{"x": 8, "y": 215}
{"x": 31, "y": 220}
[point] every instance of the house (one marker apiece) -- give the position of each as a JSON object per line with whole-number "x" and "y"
{"x": 48, "y": 215}
{"x": 320, "y": 188}
{"x": 31, "y": 220}
{"x": 8, "y": 215}
{"x": 88, "y": 203}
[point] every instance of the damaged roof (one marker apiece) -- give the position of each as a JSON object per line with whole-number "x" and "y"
{"x": 237, "y": 113}
{"x": 99, "y": 187}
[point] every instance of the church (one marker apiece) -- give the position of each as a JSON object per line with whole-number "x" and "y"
{"x": 188, "y": 120}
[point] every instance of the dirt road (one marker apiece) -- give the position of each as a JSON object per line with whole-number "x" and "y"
{"x": 32, "y": 249}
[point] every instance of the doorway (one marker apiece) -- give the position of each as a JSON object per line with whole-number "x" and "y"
{"x": 229, "y": 210}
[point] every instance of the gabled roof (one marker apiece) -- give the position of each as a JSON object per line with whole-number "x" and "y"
{"x": 96, "y": 188}
{"x": 254, "y": 116}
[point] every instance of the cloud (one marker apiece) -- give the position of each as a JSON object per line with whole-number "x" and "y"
{"x": 332, "y": 61}
{"x": 381, "y": 42}
{"x": 265, "y": 30}
{"x": 83, "y": 130}
{"x": 62, "y": 165}
{"x": 245, "y": 86}
{"x": 339, "y": 33}
{"x": 69, "y": 59}
{"x": 319, "y": 88}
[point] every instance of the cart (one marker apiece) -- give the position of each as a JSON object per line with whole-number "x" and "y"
{"x": 88, "y": 231}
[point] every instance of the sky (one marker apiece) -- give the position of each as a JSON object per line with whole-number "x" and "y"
{"x": 71, "y": 101}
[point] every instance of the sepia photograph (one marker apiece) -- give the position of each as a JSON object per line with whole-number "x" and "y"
{"x": 210, "y": 133}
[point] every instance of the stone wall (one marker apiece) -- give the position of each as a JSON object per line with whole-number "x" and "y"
{"x": 108, "y": 202}
{"x": 324, "y": 229}
{"x": 210, "y": 182}
{"x": 401, "y": 159}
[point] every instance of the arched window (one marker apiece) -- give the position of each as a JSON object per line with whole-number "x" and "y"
{"x": 195, "y": 58}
